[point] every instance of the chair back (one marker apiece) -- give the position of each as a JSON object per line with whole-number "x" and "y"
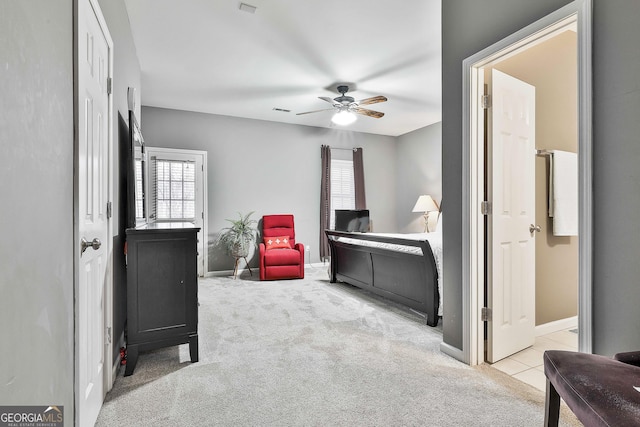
{"x": 279, "y": 225}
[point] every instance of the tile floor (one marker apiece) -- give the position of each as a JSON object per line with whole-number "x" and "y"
{"x": 527, "y": 365}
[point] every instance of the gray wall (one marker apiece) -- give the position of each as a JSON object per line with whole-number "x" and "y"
{"x": 419, "y": 171}
{"x": 126, "y": 73}
{"x": 616, "y": 175}
{"x": 36, "y": 183}
{"x": 271, "y": 168}
{"x": 468, "y": 28}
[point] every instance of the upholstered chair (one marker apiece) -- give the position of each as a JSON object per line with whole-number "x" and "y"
{"x": 280, "y": 256}
{"x": 601, "y": 391}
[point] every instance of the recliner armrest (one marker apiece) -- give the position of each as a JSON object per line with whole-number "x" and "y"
{"x": 630, "y": 358}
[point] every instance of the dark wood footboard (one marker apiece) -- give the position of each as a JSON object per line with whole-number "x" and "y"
{"x": 402, "y": 277}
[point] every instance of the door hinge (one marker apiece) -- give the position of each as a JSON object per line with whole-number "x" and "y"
{"x": 109, "y": 85}
{"x": 485, "y": 314}
{"x": 108, "y": 335}
{"x": 485, "y": 208}
{"x": 485, "y": 101}
{"x": 109, "y": 210}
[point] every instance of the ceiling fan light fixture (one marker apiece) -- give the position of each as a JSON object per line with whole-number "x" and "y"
{"x": 347, "y": 107}
{"x": 343, "y": 118}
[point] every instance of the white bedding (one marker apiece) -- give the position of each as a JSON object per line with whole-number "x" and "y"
{"x": 434, "y": 239}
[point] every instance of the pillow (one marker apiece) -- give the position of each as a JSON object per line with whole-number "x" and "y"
{"x": 277, "y": 242}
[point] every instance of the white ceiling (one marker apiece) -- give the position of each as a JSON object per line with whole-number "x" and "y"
{"x": 209, "y": 56}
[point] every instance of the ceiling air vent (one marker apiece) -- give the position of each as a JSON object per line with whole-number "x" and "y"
{"x": 283, "y": 110}
{"x": 247, "y": 8}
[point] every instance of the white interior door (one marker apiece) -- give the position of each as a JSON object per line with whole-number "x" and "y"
{"x": 93, "y": 193}
{"x": 512, "y": 193}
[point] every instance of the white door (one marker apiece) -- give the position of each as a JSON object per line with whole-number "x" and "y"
{"x": 93, "y": 225}
{"x": 511, "y": 250}
{"x": 181, "y": 186}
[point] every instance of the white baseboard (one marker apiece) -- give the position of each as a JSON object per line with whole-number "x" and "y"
{"x": 116, "y": 363}
{"x": 456, "y": 353}
{"x": 222, "y": 273}
{"x": 114, "y": 369}
{"x": 556, "y": 325}
{"x": 318, "y": 265}
{"x": 229, "y": 273}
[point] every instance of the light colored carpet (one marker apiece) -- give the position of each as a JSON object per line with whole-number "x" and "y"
{"x": 311, "y": 353}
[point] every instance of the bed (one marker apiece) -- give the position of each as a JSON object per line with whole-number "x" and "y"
{"x": 405, "y": 268}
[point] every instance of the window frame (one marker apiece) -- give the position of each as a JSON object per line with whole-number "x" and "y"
{"x": 170, "y": 189}
{"x": 201, "y": 208}
{"x": 343, "y": 173}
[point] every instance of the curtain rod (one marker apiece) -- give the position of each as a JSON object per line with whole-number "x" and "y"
{"x": 344, "y": 149}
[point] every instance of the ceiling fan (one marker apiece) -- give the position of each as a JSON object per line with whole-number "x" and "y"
{"x": 345, "y": 104}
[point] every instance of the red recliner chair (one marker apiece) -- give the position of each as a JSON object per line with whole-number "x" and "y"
{"x": 280, "y": 256}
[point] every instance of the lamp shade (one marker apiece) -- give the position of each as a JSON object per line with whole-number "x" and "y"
{"x": 425, "y": 204}
{"x": 343, "y": 118}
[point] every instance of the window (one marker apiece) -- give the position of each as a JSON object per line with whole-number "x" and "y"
{"x": 343, "y": 195}
{"x": 175, "y": 190}
{"x": 177, "y": 185}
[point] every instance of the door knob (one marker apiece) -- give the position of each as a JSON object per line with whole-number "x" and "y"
{"x": 95, "y": 244}
{"x": 533, "y": 228}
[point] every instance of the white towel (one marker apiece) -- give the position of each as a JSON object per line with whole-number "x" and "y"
{"x": 550, "y": 181}
{"x": 563, "y": 193}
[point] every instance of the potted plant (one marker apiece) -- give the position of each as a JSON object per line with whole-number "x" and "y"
{"x": 239, "y": 236}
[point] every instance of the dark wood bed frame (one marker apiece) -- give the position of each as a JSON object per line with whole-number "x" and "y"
{"x": 402, "y": 277}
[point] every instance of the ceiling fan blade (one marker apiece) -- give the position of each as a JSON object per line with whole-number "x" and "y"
{"x": 314, "y": 111}
{"x": 370, "y": 113}
{"x": 372, "y": 100}
{"x": 326, "y": 98}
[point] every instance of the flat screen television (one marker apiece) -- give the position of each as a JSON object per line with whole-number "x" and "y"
{"x": 353, "y": 220}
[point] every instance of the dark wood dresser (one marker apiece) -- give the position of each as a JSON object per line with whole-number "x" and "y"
{"x": 162, "y": 289}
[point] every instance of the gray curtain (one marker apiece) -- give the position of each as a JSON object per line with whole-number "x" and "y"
{"x": 325, "y": 200}
{"x": 358, "y": 179}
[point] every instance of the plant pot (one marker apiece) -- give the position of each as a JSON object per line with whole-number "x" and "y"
{"x": 241, "y": 249}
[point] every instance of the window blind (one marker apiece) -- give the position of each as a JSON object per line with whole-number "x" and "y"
{"x": 343, "y": 194}
{"x": 173, "y": 193}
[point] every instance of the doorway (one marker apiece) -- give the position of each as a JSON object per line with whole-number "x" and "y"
{"x": 177, "y": 180}
{"x": 549, "y": 302}
{"x": 578, "y": 14}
